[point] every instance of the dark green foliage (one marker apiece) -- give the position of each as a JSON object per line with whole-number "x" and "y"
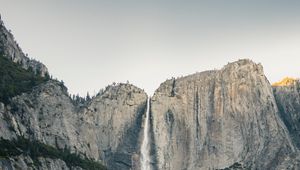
{"x": 235, "y": 166}
{"x": 77, "y": 99}
{"x": 88, "y": 97}
{"x": 15, "y": 80}
{"x": 36, "y": 149}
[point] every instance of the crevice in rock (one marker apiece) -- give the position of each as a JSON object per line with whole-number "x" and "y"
{"x": 173, "y": 87}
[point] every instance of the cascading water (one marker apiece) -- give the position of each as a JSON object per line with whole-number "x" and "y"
{"x": 145, "y": 148}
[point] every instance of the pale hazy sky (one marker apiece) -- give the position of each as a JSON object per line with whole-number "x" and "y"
{"x": 92, "y": 43}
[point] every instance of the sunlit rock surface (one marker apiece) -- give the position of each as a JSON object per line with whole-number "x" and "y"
{"x": 287, "y": 81}
{"x": 214, "y": 119}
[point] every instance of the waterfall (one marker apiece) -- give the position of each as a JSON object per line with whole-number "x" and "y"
{"x": 145, "y": 148}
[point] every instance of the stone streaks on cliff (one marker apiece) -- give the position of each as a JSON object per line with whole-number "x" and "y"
{"x": 219, "y": 118}
{"x": 106, "y": 129}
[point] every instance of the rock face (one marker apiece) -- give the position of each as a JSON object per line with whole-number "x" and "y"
{"x": 222, "y": 119}
{"x": 288, "y": 101}
{"x": 214, "y": 119}
{"x": 11, "y": 50}
{"x": 287, "y": 81}
{"x": 105, "y": 129}
{"x": 116, "y": 118}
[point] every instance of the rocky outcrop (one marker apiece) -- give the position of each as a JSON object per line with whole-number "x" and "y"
{"x": 216, "y": 119}
{"x": 116, "y": 118}
{"x": 287, "y": 81}
{"x": 11, "y": 50}
{"x": 288, "y": 101}
{"x": 106, "y": 129}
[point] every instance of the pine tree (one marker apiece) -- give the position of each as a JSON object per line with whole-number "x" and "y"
{"x": 88, "y": 97}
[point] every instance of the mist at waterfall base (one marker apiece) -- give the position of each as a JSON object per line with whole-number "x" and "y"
{"x": 145, "y": 148}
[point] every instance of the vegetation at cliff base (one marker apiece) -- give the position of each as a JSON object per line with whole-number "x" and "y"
{"x": 15, "y": 80}
{"x": 36, "y": 149}
{"x": 235, "y": 166}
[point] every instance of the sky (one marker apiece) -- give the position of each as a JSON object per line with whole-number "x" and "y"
{"x": 90, "y": 44}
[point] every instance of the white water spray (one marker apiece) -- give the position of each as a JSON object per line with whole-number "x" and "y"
{"x": 145, "y": 149}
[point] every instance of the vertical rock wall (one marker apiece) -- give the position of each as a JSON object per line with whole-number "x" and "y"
{"x": 214, "y": 119}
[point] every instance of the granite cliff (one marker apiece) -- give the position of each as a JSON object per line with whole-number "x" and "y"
{"x": 217, "y": 119}
{"x": 230, "y": 118}
{"x": 288, "y": 101}
{"x": 104, "y": 129}
{"x": 287, "y": 95}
